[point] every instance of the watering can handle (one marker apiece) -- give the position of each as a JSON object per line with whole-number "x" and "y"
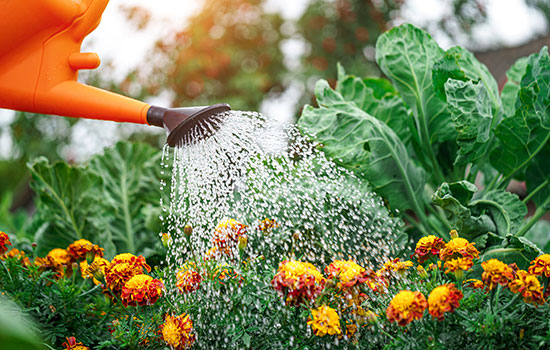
{"x": 41, "y": 57}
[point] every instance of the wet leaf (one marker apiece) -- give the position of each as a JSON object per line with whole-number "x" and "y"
{"x": 510, "y": 90}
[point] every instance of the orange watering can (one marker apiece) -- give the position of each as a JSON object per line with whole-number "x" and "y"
{"x": 40, "y": 58}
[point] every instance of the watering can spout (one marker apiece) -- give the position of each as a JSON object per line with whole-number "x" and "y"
{"x": 40, "y": 58}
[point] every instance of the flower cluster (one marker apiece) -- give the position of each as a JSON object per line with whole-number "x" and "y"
{"x": 141, "y": 290}
{"x": 298, "y": 281}
{"x": 122, "y": 268}
{"x": 177, "y": 332}
{"x": 324, "y": 320}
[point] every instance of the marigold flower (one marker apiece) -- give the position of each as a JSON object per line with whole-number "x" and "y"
{"x": 529, "y": 287}
{"x": 212, "y": 254}
{"x": 122, "y": 268}
{"x": 473, "y": 283}
{"x": 226, "y": 235}
{"x": 81, "y": 248}
{"x": 406, "y": 306}
{"x": 141, "y": 290}
{"x": 427, "y": 246}
{"x": 95, "y": 270}
{"x": 177, "y": 332}
{"x": 4, "y": 242}
{"x": 458, "y": 264}
{"x": 325, "y": 321}
{"x": 17, "y": 254}
{"x": 188, "y": 279}
{"x": 395, "y": 265}
{"x": 72, "y": 344}
{"x": 442, "y": 299}
{"x": 267, "y": 225}
{"x": 57, "y": 260}
{"x": 496, "y": 272}
{"x": 540, "y": 266}
{"x": 299, "y": 281}
{"x": 348, "y": 273}
{"x": 458, "y": 248}
{"x": 224, "y": 273}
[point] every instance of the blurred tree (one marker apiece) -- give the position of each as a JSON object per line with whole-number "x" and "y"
{"x": 228, "y": 52}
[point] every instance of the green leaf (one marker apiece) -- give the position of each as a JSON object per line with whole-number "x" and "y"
{"x": 406, "y": 54}
{"x": 537, "y": 176}
{"x": 470, "y": 109}
{"x": 505, "y": 208}
{"x": 540, "y": 235}
{"x": 453, "y": 198}
{"x": 378, "y": 98}
{"x": 514, "y": 249}
{"x": 510, "y": 90}
{"x": 523, "y": 134}
{"x": 362, "y": 143}
{"x": 130, "y": 182}
{"x": 67, "y": 202}
{"x": 460, "y": 64}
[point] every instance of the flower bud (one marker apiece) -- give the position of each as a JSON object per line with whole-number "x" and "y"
{"x": 453, "y": 234}
{"x": 165, "y": 239}
{"x": 187, "y": 230}
{"x": 422, "y": 271}
{"x": 243, "y": 241}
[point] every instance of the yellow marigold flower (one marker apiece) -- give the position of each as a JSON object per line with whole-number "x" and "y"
{"x": 95, "y": 270}
{"x": 82, "y": 248}
{"x": 428, "y": 246}
{"x": 442, "y": 299}
{"x": 395, "y": 265}
{"x": 462, "y": 264}
{"x": 540, "y": 266}
{"x": 325, "y": 321}
{"x": 529, "y": 287}
{"x": 473, "y": 283}
{"x": 141, "y": 290}
{"x": 348, "y": 273}
{"x": 72, "y": 344}
{"x": 18, "y": 254}
{"x": 122, "y": 268}
{"x": 227, "y": 233}
{"x": 60, "y": 256}
{"x": 188, "y": 279}
{"x": 177, "y": 332}
{"x": 458, "y": 248}
{"x": 267, "y": 225}
{"x": 212, "y": 254}
{"x": 406, "y": 306}
{"x": 57, "y": 260}
{"x": 496, "y": 272}
{"x": 298, "y": 281}
{"x": 4, "y": 242}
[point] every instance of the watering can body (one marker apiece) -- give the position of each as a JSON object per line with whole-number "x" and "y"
{"x": 40, "y": 57}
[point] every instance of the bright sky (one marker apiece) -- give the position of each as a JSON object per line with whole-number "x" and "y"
{"x": 510, "y": 22}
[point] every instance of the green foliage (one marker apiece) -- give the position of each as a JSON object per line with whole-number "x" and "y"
{"x": 451, "y": 124}
{"x": 107, "y": 201}
{"x": 16, "y": 330}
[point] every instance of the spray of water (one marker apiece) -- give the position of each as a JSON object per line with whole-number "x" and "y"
{"x": 289, "y": 200}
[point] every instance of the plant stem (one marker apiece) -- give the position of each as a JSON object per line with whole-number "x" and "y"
{"x": 419, "y": 226}
{"x": 532, "y": 193}
{"x": 513, "y": 300}
{"x": 441, "y": 217}
{"x": 541, "y": 210}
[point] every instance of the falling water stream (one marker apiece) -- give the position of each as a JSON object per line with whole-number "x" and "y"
{"x": 252, "y": 169}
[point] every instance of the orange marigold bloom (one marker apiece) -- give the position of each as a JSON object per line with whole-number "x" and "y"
{"x": 122, "y": 268}
{"x": 496, "y": 272}
{"x": 188, "y": 279}
{"x": 81, "y": 248}
{"x": 298, "y": 281}
{"x": 177, "y": 332}
{"x": 458, "y": 248}
{"x": 212, "y": 254}
{"x": 324, "y": 320}
{"x": 141, "y": 290}
{"x": 72, "y": 344}
{"x": 473, "y": 283}
{"x": 348, "y": 273}
{"x": 462, "y": 264}
{"x": 4, "y": 242}
{"x": 267, "y": 225}
{"x": 427, "y": 246}
{"x": 395, "y": 265}
{"x": 442, "y": 299}
{"x": 529, "y": 287}
{"x": 540, "y": 266}
{"x": 57, "y": 260}
{"x": 226, "y": 235}
{"x": 406, "y": 306}
{"x": 18, "y": 254}
{"x": 95, "y": 270}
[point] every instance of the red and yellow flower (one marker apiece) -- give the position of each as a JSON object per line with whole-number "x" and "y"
{"x": 528, "y": 286}
{"x": 395, "y": 265}
{"x": 72, "y": 344}
{"x": 82, "y": 249}
{"x": 324, "y": 320}
{"x": 4, "y": 242}
{"x": 496, "y": 272}
{"x": 458, "y": 264}
{"x": 267, "y": 225}
{"x": 473, "y": 283}
{"x": 540, "y": 266}
{"x": 428, "y": 246}
{"x": 122, "y": 268}
{"x": 348, "y": 273}
{"x": 177, "y": 332}
{"x": 458, "y": 248}
{"x": 298, "y": 281}
{"x": 57, "y": 260}
{"x": 226, "y": 235}
{"x": 443, "y": 299}
{"x": 17, "y": 254}
{"x": 188, "y": 279}
{"x": 95, "y": 270}
{"x": 225, "y": 273}
{"x": 141, "y": 290}
{"x": 406, "y": 306}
